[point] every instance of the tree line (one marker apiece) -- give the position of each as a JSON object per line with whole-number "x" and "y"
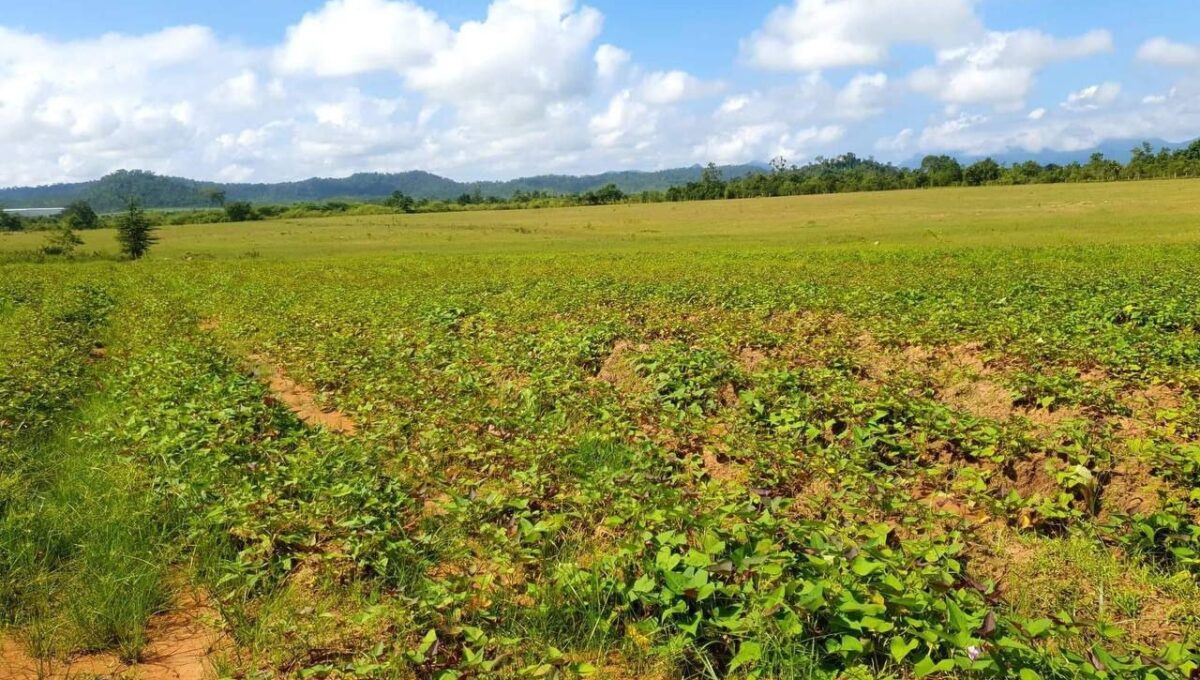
{"x": 849, "y": 173}
{"x": 842, "y": 174}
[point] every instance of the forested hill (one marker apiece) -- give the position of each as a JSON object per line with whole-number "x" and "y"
{"x": 111, "y": 192}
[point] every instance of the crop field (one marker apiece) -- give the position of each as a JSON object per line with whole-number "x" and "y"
{"x": 947, "y": 434}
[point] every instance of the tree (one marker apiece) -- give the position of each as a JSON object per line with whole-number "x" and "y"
{"x": 983, "y": 172}
{"x": 134, "y": 231}
{"x": 215, "y": 197}
{"x": 240, "y": 211}
{"x": 81, "y": 215}
{"x": 400, "y": 201}
{"x": 942, "y": 171}
{"x": 10, "y": 222}
{"x": 610, "y": 193}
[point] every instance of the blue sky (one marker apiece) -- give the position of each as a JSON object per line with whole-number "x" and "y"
{"x": 282, "y": 89}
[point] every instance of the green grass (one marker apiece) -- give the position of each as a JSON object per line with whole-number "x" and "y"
{"x": 945, "y": 433}
{"x": 1042, "y": 215}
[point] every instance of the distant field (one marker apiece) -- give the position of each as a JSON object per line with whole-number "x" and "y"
{"x": 1131, "y": 212}
{"x": 950, "y": 433}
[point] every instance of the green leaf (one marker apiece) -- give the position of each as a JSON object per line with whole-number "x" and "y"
{"x": 1037, "y": 627}
{"x": 748, "y": 652}
{"x": 851, "y": 644}
{"x": 900, "y": 648}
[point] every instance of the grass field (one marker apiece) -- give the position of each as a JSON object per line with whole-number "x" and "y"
{"x": 950, "y": 433}
{"x": 1160, "y": 212}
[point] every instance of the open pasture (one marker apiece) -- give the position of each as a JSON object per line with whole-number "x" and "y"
{"x": 1141, "y": 213}
{"x": 949, "y": 433}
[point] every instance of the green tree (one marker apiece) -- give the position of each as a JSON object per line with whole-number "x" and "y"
{"x": 81, "y": 215}
{"x": 941, "y": 171}
{"x": 400, "y": 201}
{"x": 135, "y": 234}
{"x": 983, "y": 172}
{"x": 610, "y": 193}
{"x": 10, "y": 222}
{"x": 215, "y": 197}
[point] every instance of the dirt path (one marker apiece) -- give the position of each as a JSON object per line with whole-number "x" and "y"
{"x": 301, "y": 400}
{"x": 181, "y": 646}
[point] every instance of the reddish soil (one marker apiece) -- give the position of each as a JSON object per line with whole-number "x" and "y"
{"x": 181, "y": 646}
{"x": 301, "y": 400}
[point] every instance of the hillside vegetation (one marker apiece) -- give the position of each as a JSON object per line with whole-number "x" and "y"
{"x": 110, "y": 193}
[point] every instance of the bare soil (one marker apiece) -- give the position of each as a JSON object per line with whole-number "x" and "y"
{"x": 182, "y": 644}
{"x": 301, "y": 400}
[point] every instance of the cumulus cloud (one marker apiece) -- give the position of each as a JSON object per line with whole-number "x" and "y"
{"x": 1001, "y": 68}
{"x": 1167, "y": 53}
{"x": 865, "y": 96}
{"x": 349, "y": 37}
{"x": 510, "y": 68}
{"x": 529, "y": 86}
{"x": 71, "y": 109}
{"x": 766, "y": 140}
{"x": 1093, "y": 97}
{"x": 611, "y": 61}
{"x": 818, "y": 34}
{"x": 671, "y": 87}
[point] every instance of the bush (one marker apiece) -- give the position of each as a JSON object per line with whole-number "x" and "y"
{"x": 240, "y": 211}
{"x": 10, "y": 222}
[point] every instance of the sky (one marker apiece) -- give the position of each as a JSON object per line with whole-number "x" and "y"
{"x": 272, "y": 90}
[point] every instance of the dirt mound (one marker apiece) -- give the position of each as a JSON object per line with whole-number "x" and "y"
{"x": 181, "y": 646}
{"x": 1133, "y": 489}
{"x": 617, "y": 369}
{"x": 981, "y": 398}
{"x": 301, "y": 400}
{"x": 750, "y": 358}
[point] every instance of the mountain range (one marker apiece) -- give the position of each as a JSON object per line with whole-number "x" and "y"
{"x": 111, "y": 192}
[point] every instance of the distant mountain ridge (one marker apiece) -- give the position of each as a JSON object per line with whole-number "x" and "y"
{"x": 110, "y": 192}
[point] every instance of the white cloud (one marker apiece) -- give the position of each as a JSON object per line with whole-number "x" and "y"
{"x": 240, "y": 91}
{"x": 510, "y": 69}
{"x": 766, "y": 140}
{"x": 819, "y": 34}
{"x": 611, "y": 61}
{"x": 348, "y": 37}
{"x": 1001, "y": 69}
{"x": 1156, "y": 99}
{"x": 672, "y": 87}
{"x": 1167, "y": 53}
{"x": 77, "y": 108}
{"x": 627, "y": 121}
{"x": 899, "y": 144}
{"x": 865, "y": 96}
{"x": 1093, "y": 97}
{"x": 529, "y": 87}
